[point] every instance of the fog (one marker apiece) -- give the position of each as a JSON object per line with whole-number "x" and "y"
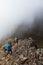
{"x": 15, "y": 12}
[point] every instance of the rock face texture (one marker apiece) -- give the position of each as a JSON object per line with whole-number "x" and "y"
{"x": 22, "y": 54}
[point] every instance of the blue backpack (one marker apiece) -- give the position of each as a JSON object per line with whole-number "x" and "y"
{"x": 8, "y": 46}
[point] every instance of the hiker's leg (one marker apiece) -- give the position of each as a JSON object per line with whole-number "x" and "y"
{"x": 10, "y": 50}
{"x": 17, "y": 43}
{"x": 7, "y": 52}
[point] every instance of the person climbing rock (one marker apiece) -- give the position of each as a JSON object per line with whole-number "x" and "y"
{"x": 8, "y": 47}
{"x": 16, "y": 39}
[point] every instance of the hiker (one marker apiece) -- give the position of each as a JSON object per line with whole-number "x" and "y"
{"x": 16, "y": 40}
{"x": 8, "y": 47}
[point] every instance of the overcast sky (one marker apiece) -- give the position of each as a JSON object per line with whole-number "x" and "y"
{"x": 13, "y": 12}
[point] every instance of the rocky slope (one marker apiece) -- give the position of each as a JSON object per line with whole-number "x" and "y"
{"x": 22, "y": 54}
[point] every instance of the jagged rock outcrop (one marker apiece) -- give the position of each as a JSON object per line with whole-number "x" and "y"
{"x": 23, "y": 54}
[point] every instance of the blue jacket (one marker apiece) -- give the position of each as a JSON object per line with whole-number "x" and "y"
{"x": 8, "y": 46}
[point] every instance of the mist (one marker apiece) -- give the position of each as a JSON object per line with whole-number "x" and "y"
{"x": 16, "y": 12}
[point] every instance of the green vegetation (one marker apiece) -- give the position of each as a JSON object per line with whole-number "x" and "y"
{"x": 40, "y": 43}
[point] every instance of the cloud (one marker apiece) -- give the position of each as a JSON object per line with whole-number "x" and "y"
{"x": 15, "y": 12}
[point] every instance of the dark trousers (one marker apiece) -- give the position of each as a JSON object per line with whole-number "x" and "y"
{"x": 9, "y": 52}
